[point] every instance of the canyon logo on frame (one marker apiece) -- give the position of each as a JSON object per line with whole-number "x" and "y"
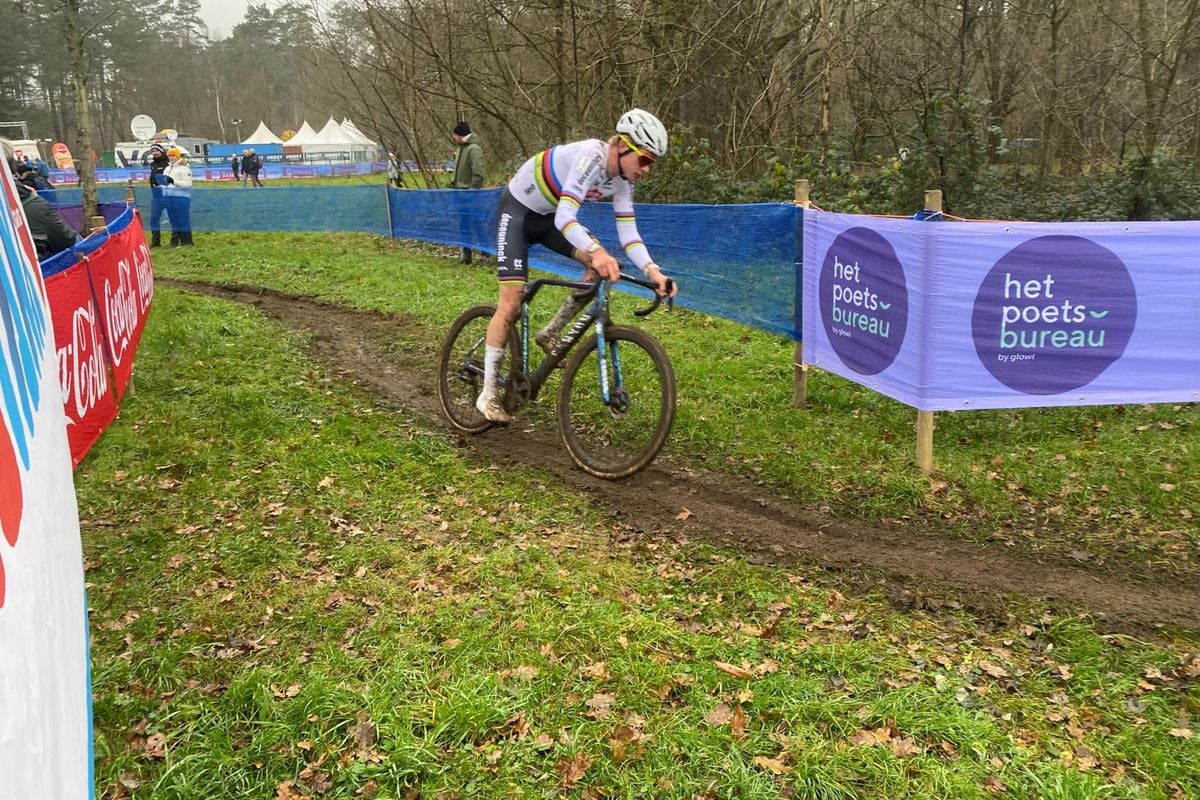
{"x": 45, "y": 727}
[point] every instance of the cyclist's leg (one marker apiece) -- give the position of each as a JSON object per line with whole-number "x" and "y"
{"x": 512, "y": 252}
{"x": 547, "y": 337}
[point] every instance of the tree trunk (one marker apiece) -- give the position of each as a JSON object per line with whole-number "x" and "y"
{"x": 85, "y": 165}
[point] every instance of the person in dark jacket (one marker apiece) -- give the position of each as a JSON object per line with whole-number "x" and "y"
{"x": 158, "y": 163}
{"x": 256, "y": 165}
{"x": 235, "y": 164}
{"x": 33, "y": 180}
{"x": 468, "y": 166}
{"x": 246, "y": 159}
{"x": 50, "y": 234}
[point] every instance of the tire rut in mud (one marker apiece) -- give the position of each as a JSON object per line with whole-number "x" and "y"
{"x": 395, "y": 359}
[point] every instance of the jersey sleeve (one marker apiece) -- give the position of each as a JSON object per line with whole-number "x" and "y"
{"x": 627, "y": 229}
{"x": 586, "y": 173}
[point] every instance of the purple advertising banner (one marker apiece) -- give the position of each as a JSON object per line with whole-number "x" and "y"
{"x": 961, "y": 315}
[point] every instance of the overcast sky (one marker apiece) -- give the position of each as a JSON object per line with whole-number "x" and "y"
{"x": 221, "y": 15}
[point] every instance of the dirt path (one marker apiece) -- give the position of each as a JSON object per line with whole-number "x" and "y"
{"x": 365, "y": 347}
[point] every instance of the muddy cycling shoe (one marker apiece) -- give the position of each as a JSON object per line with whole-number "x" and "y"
{"x": 492, "y": 409}
{"x": 546, "y": 339}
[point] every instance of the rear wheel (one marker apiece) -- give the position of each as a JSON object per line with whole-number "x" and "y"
{"x": 617, "y": 438}
{"x": 460, "y": 368}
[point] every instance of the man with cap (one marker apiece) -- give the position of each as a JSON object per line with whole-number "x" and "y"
{"x": 158, "y": 207}
{"x": 468, "y": 167}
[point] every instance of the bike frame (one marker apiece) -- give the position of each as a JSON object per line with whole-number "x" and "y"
{"x": 596, "y": 315}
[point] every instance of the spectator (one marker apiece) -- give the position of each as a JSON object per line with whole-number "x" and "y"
{"x": 235, "y": 165}
{"x": 246, "y": 159}
{"x": 468, "y": 167}
{"x": 256, "y": 164}
{"x": 177, "y": 194}
{"x": 158, "y": 164}
{"x": 33, "y": 180}
{"x": 393, "y": 172}
{"x": 43, "y": 169}
{"x": 50, "y": 233}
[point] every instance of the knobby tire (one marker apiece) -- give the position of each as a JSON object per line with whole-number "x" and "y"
{"x": 611, "y": 444}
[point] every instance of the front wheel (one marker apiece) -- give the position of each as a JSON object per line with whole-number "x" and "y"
{"x": 460, "y": 368}
{"x": 616, "y": 438}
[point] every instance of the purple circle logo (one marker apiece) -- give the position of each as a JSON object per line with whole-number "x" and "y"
{"x": 864, "y": 300}
{"x": 1053, "y": 314}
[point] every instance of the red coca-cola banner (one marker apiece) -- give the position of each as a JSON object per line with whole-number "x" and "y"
{"x": 98, "y": 307}
{"x": 83, "y": 375}
{"x": 123, "y": 281}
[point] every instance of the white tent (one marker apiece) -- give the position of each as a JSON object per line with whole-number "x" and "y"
{"x": 373, "y": 150}
{"x": 334, "y": 134}
{"x": 352, "y": 130}
{"x": 333, "y": 140}
{"x": 305, "y": 135}
{"x": 263, "y": 135}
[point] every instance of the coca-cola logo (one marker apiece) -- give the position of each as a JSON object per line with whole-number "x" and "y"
{"x": 81, "y": 369}
{"x": 121, "y": 310}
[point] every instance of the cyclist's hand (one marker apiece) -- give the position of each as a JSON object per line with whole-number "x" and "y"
{"x": 606, "y": 266}
{"x": 666, "y": 286}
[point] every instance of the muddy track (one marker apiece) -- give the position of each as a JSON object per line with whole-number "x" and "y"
{"x": 378, "y": 352}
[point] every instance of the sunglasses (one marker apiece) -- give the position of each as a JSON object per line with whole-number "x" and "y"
{"x": 644, "y": 159}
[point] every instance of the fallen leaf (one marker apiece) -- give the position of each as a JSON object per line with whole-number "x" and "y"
{"x": 904, "y": 747}
{"x": 1180, "y": 733}
{"x": 597, "y": 671}
{"x": 325, "y": 482}
{"x": 684, "y": 514}
{"x": 287, "y": 791}
{"x": 735, "y": 671}
{"x": 737, "y": 724}
{"x": 773, "y": 765}
{"x": 994, "y": 785}
{"x": 993, "y": 670}
{"x": 872, "y": 736}
{"x": 542, "y": 742}
{"x": 719, "y": 716}
{"x": 572, "y": 770}
{"x": 366, "y": 733}
{"x": 600, "y": 704}
{"x": 155, "y": 746}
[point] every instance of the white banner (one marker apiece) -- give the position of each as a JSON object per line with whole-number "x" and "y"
{"x": 45, "y": 696}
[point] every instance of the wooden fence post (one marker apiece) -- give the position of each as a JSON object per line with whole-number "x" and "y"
{"x": 96, "y": 223}
{"x": 933, "y": 202}
{"x": 800, "y": 388}
{"x": 129, "y": 198}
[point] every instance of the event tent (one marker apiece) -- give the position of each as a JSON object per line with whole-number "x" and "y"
{"x": 352, "y": 130}
{"x": 263, "y": 135}
{"x": 305, "y": 135}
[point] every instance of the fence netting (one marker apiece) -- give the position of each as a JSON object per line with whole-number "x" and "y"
{"x": 739, "y": 262}
{"x": 353, "y": 209}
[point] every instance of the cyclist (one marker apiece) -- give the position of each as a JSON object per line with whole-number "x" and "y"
{"x": 540, "y": 205}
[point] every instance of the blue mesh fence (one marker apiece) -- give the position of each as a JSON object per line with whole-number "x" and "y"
{"x": 739, "y": 262}
{"x": 356, "y": 209}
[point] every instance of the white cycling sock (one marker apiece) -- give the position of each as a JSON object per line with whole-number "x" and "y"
{"x": 491, "y": 365}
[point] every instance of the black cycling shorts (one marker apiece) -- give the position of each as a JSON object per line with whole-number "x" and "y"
{"x": 516, "y": 229}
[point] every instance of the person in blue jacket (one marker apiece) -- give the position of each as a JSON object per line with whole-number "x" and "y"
{"x": 158, "y": 164}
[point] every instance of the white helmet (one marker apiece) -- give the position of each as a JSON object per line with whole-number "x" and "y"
{"x": 644, "y": 130}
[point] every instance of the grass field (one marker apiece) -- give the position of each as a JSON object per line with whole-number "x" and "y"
{"x": 1101, "y": 484}
{"x": 298, "y": 592}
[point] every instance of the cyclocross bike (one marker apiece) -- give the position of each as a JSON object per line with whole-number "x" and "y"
{"x": 616, "y": 401}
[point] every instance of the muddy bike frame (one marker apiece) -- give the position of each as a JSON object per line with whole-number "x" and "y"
{"x": 526, "y": 386}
